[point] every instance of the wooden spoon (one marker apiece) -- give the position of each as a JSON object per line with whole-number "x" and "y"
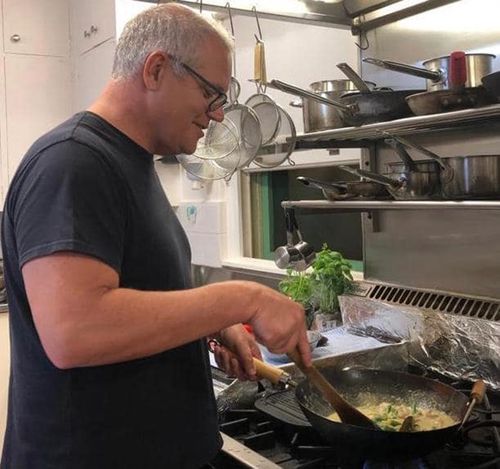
{"x": 347, "y": 413}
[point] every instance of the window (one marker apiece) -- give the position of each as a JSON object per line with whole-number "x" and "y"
{"x": 265, "y": 229}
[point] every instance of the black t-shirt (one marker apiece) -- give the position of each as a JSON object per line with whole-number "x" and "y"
{"x": 86, "y": 187}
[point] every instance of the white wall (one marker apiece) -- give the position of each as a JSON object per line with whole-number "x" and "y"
{"x": 296, "y": 53}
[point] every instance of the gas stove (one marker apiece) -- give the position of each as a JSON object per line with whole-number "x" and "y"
{"x": 274, "y": 433}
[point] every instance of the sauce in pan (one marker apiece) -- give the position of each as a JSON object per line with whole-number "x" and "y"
{"x": 390, "y": 416}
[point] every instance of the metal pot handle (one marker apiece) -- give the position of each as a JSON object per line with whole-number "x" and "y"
{"x": 349, "y": 72}
{"x": 403, "y": 154}
{"x": 386, "y": 181}
{"x": 288, "y": 88}
{"x": 447, "y": 171}
{"x": 320, "y": 184}
{"x": 405, "y": 68}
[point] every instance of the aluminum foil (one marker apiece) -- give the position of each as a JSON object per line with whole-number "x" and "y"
{"x": 457, "y": 346}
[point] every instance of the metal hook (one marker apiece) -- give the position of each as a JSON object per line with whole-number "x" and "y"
{"x": 228, "y": 6}
{"x": 258, "y": 24}
{"x": 363, "y": 36}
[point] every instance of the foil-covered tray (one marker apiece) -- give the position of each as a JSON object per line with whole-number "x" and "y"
{"x": 460, "y": 347}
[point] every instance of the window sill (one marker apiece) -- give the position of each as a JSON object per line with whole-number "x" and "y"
{"x": 265, "y": 266}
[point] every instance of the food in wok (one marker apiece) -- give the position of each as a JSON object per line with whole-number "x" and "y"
{"x": 390, "y": 416}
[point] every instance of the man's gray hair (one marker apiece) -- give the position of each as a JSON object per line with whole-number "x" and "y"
{"x": 172, "y": 28}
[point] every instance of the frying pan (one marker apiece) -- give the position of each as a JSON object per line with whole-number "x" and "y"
{"x": 434, "y": 102}
{"x": 492, "y": 84}
{"x": 359, "y": 108}
{"x": 345, "y": 190}
{"x": 357, "y": 444}
{"x": 422, "y": 184}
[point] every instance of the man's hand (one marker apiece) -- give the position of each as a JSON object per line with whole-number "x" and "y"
{"x": 235, "y": 355}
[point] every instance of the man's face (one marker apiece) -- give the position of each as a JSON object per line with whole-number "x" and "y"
{"x": 182, "y": 108}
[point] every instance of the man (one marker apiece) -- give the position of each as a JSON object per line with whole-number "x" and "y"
{"x": 109, "y": 357}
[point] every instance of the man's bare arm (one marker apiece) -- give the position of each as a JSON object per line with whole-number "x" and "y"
{"x": 83, "y": 318}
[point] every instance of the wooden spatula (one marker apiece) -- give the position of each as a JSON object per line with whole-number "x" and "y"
{"x": 347, "y": 413}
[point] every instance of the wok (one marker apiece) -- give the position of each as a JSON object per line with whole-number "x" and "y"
{"x": 357, "y": 444}
{"x": 359, "y": 108}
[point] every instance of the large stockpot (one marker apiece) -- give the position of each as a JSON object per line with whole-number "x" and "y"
{"x": 319, "y": 116}
{"x": 439, "y": 72}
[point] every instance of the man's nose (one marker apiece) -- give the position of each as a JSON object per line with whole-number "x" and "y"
{"x": 217, "y": 115}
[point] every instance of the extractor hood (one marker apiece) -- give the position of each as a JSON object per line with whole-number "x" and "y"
{"x": 359, "y": 15}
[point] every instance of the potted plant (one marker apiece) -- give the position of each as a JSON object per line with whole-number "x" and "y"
{"x": 318, "y": 288}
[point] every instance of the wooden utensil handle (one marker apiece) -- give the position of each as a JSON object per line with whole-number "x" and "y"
{"x": 273, "y": 374}
{"x": 315, "y": 377}
{"x": 478, "y": 390}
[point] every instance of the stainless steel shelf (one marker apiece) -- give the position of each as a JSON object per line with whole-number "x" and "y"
{"x": 408, "y": 125}
{"x": 370, "y": 205}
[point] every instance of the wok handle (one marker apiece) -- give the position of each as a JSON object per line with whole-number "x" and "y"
{"x": 272, "y": 373}
{"x": 476, "y": 397}
{"x": 478, "y": 391}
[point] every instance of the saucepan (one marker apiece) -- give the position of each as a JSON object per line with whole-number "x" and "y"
{"x": 464, "y": 177}
{"x": 346, "y": 190}
{"x": 363, "y": 387}
{"x": 409, "y": 180}
{"x": 358, "y": 108}
{"x": 447, "y": 72}
{"x": 319, "y": 116}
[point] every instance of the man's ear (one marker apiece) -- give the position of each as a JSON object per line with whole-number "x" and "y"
{"x": 154, "y": 70}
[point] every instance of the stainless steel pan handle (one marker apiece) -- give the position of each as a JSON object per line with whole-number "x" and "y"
{"x": 359, "y": 83}
{"x": 292, "y": 89}
{"x": 447, "y": 170}
{"x": 436, "y": 75}
{"x": 386, "y": 181}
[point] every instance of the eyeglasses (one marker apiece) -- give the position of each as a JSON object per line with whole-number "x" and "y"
{"x": 220, "y": 97}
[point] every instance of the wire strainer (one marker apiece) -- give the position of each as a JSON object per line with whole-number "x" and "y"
{"x": 217, "y": 154}
{"x": 275, "y": 153}
{"x": 248, "y": 126}
{"x": 268, "y": 114}
{"x": 218, "y": 141}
